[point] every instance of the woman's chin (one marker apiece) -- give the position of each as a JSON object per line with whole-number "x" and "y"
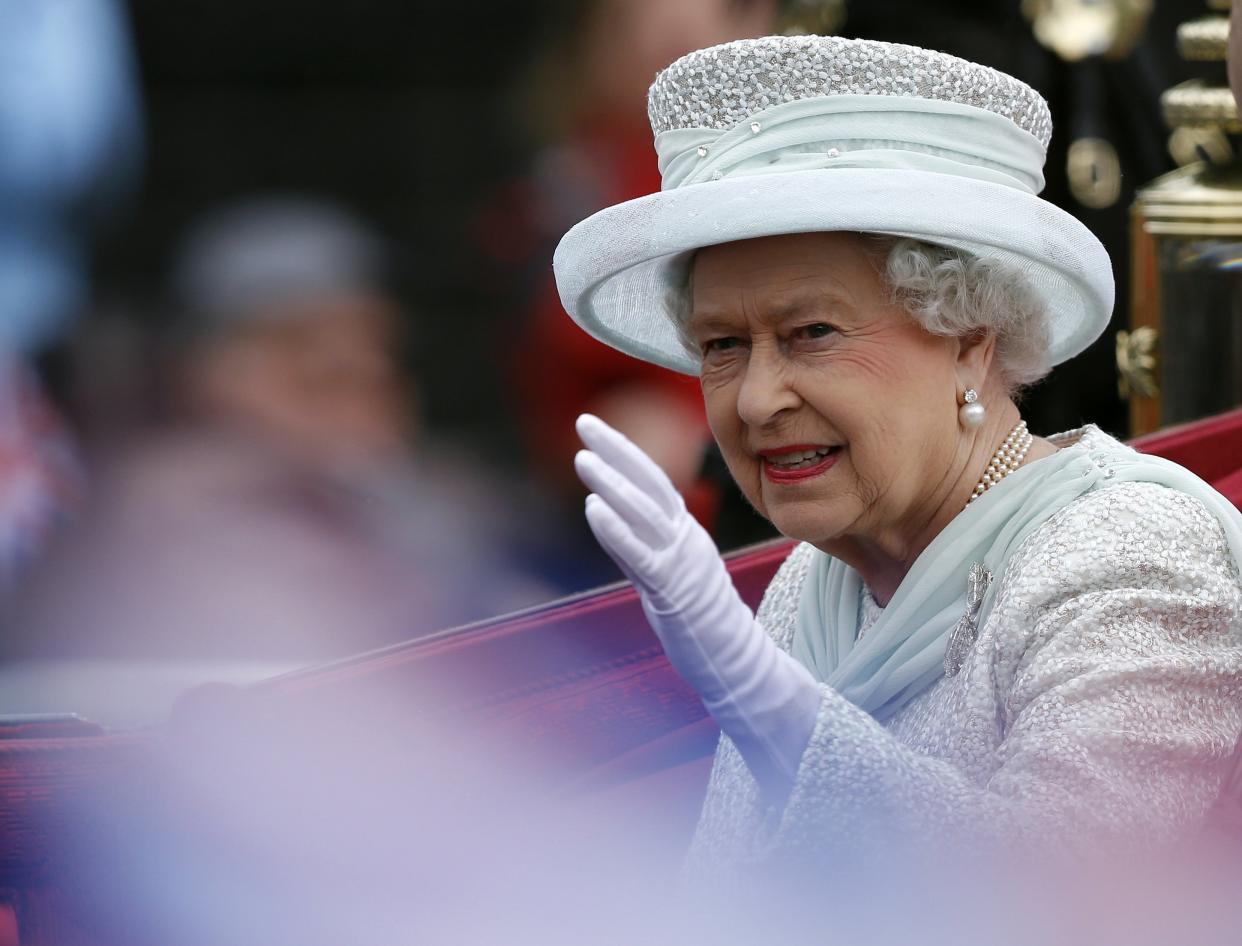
{"x": 815, "y": 525}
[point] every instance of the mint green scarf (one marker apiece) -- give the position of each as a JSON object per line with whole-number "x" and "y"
{"x": 903, "y": 652}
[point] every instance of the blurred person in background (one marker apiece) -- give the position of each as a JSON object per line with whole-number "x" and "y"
{"x": 285, "y": 516}
{"x": 69, "y": 150}
{"x": 588, "y": 90}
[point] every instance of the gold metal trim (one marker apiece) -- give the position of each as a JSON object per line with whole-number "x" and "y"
{"x": 1145, "y": 306}
{"x": 1198, "y": 199}
{"x": 1193, "y": 143}
{"x": 817, "y": 17}
{"x": 1204, "y": 40}
{"x": 1196, "y": 103}
{"x": 1076, "y": 29}
{"x": 1193, "y": 228}
{"x": 1094, "y": 172}
{"x": 1136, "y": 362}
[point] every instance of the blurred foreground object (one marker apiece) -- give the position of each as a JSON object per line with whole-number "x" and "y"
{"x": 287, "y": 515}
{"x": 532, "y": 779}
{"x": 1181, "y": 358}
{"x": 454, "y": 789}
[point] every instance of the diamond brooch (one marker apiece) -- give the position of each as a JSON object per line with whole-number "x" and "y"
{"x": 967, "y": 628}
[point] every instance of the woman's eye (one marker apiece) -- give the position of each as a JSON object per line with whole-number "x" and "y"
{"x": 720, "y": 345}
{"x": 818, "y": 330}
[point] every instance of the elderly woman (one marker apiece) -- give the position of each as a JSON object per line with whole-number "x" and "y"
{"x": 983, "y": 634}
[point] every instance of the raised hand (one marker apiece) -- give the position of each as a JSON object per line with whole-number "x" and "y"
{"x": 765, "y": 700}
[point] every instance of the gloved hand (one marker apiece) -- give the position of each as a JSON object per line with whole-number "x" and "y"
{"x": 762, "y": 698}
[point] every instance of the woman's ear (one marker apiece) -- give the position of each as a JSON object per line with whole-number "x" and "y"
{"x": 975, "y": 352}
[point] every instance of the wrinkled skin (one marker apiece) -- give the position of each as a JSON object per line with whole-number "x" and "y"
{"x": 802, "y": 344}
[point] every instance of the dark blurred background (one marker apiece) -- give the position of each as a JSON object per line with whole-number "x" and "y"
{"x": 415, "y": 115}
{"x": 419, "y": 421}
{"x": 399, "y": 110}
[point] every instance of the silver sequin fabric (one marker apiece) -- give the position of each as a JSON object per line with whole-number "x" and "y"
{"x": 1101, "y": 702}
{"x": 723, "y": 86}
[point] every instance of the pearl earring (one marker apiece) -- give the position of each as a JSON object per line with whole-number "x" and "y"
{"x": 972, "y": 413}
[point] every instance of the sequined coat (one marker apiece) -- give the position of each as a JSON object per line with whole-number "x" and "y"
{"x": 1102, "y": 700}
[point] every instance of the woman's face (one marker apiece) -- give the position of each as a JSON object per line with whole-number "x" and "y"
{"x": 804, "y": 355}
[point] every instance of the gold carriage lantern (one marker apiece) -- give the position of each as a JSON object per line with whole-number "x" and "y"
{"x": 1182, "y": 356}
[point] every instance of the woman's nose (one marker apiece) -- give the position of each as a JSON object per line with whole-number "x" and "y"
{"x": 766, "y": 389}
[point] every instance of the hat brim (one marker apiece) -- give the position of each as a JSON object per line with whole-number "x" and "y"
{"x": 621, "y": 273}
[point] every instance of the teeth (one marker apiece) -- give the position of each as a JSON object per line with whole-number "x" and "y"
{"x": 800, "y": 458}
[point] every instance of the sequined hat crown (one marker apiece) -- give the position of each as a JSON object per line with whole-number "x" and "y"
{"x": 725, "y": 85}
{"x": 802, "y": 134}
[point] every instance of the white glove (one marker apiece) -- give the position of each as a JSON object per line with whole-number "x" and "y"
{"x": 762, "y": 698}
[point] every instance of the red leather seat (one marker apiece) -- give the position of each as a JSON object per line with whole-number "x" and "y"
{"x": 1212, "y": 448}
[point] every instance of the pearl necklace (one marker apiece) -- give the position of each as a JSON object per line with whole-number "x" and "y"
{"x": 1007, "y": 458}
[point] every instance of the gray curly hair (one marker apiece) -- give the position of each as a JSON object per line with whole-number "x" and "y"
{"x": 954, "y": 293}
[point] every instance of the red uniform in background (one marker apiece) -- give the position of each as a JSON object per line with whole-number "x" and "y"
{"x": 560, "y": 371}
{"x": 593, "y": 85}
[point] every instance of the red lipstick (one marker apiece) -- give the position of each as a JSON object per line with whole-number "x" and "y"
{"x": 784, "y": 476}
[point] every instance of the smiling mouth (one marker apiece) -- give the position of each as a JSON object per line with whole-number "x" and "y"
{"x": 799, "y": 464}
{"x": 799, "y": 459}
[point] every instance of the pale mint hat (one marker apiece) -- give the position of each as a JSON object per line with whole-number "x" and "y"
{"x": 796, "y": 134}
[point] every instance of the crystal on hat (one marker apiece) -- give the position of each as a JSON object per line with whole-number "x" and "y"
{"x": 725, "y": 86}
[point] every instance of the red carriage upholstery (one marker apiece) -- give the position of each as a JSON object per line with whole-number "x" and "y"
{"x": 1212, "y": 448}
